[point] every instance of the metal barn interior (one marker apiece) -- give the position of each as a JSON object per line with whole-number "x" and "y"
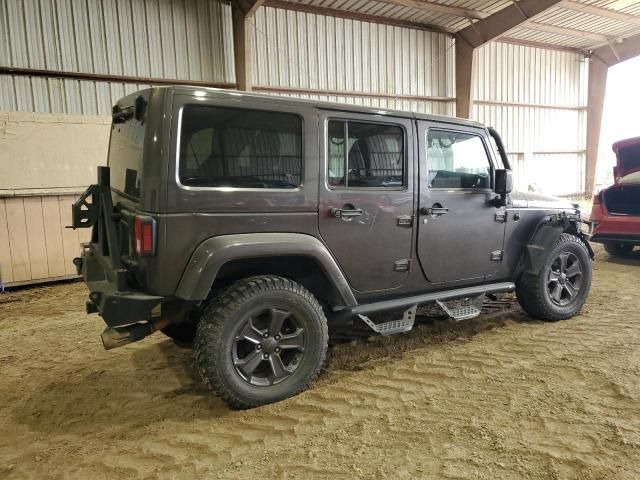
{"x": 533, "y": 69}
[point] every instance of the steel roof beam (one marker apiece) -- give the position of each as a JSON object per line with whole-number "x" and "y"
{"x": 503, "y": 20}
{"x": 248, "y": 7}
{"x": 481, "y": 32}
{"x": 352, "y": 15}
{"x": 618, "y": 51}
{"x": 600, "y": 12}
{"x": 566, "y": 32}
{"x": 439, "y": 8}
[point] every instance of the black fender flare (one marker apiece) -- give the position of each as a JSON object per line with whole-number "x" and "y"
{"x": 545, "y": 236}
{"x": 213, "y": 253}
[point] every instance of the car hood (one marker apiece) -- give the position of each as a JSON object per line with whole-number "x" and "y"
{"x": 627, "y": 157}
{"x": 538, "y": 200}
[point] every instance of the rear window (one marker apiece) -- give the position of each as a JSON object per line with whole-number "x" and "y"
{"x": 125, "y": 156}
{"x": 232, "y": 147}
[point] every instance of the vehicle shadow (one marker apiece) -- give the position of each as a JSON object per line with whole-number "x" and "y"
{"x": 157, "y": 380}
{"x": 355, "y": 344}
{"x": 633, "y": 259}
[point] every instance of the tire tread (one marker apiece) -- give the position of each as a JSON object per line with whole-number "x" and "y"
{"x": 212, "y": 322}
{"x": 532, "y": 297}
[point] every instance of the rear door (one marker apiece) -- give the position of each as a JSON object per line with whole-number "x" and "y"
{"x": 366, "y": 196}
{"x": 460, "y": 230}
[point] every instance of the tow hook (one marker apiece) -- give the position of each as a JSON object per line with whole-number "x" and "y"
{"x": 114, "y": 337}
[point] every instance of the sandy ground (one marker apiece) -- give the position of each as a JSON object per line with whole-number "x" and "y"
{"x": 500, "y": 396}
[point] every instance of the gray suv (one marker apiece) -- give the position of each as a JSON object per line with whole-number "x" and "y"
{"x": 244, "y": 223}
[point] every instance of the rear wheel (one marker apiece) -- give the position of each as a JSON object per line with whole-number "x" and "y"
{"x": 263, "y": 339}
{"x": 618, "y": 249}
{"x": 562, "y": 284}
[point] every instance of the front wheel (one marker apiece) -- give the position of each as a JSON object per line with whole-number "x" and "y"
{"x": 562, "y": 285}
{"x": 263, "y": 339}
{"x": 618, "y": 249}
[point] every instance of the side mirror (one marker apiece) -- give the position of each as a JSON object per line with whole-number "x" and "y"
{"x": 504, "y": 182}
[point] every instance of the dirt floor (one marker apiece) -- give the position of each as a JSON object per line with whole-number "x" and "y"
{"x": 500, "y": 396}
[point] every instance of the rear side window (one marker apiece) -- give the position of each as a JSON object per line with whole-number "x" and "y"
{"x": 232, "y": 147}
{"x": 364, "y": 154}
{"x": 457, "y": 160}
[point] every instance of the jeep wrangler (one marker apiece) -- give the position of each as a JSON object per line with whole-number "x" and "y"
{"x": 242, "y": 222}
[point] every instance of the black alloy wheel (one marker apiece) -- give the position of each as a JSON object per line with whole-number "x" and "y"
{"x": 268, "y": 346}
{"x": 260, "y": 340}
{"x": 564, "y": 279}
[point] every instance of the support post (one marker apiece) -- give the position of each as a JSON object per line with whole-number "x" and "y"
{"x": 241, "y": 13}
{"x": 595, "y": 103}
{"x": 464, "y": 78}
{"x": 241, "y": 47}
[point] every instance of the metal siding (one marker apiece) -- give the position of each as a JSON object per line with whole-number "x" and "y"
{"x": 303, "y": 50}
{"x": 182, "y": 39}
{"x": 535, "y": 133}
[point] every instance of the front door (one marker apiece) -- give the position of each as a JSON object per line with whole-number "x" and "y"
{"x": 460, "y": 230}
{"x": 366, "y": 199}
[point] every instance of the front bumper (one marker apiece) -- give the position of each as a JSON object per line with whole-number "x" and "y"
{"x": 109, "y": 294}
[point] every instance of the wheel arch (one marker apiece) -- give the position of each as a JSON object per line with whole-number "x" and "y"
{"x": 300, "y": 257}
{"x": 544, "y": 238}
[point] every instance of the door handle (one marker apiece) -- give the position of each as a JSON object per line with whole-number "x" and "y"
{"x": 345, "y": 212}
{"x": 434, "y": 211}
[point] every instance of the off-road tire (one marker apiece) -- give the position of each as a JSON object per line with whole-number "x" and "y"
{"x": 532, "y": 290}
{"x": 618, "y": 249}
{"x": 217, "y": 332}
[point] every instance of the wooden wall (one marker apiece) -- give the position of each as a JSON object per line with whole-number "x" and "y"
{"x": 35, "y": 246}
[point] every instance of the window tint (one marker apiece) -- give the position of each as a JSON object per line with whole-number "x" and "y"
{"x": 457, "y": 160}
{"x": 126, "y": 147}
{"x": 228, "y": 147}
{"x": 371, "y": 154}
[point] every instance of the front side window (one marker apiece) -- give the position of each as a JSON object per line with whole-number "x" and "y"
{"x": 232, "y": 147}
{"x": 457, "y": 160}
{"x": 365, "y": 155}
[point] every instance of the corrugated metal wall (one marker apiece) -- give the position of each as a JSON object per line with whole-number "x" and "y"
{"x": 536, "y": 98}
{"x": 176, "y": 39}
{"x": 307, "y": 51}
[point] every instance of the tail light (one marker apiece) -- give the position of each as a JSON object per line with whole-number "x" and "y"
{"x": 145, "y": 236}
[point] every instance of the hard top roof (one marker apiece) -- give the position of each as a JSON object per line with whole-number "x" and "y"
{"x": 224, "y": 93}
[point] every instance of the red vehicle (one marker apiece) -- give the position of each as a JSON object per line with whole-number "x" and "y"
{"x": 616, "y": 210}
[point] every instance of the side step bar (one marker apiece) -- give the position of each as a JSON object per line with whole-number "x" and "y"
{"x": 408, "y": 302}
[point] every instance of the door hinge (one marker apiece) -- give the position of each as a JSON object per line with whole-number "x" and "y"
{"x": 497, "y": 255}
{"x": 501, "y": 216}
{"x": 402, "y": 265}
{"x": 405, "y": 220}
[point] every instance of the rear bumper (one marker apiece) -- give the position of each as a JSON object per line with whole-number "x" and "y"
{"x": 616, "y": 238}
{"x": 611, "y": 228}
{"x": 109, "y": 295}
